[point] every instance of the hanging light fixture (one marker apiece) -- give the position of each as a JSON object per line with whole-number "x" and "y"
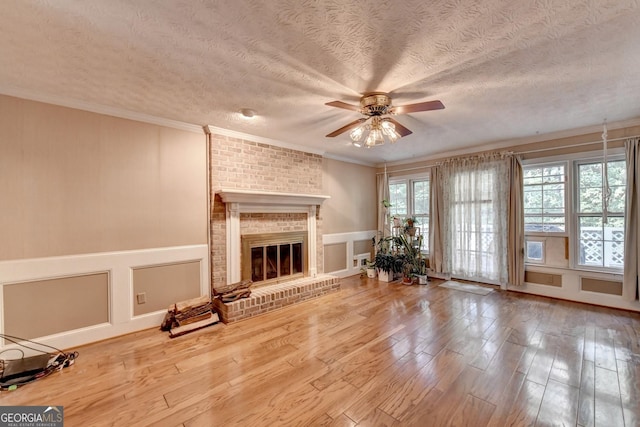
{"x": 356, "y": 135}
{"x": 378, "y": 130}
{"x": 378, "y": 127}
{"x": 389, "y": 130}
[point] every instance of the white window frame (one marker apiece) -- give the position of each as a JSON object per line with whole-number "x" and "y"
{"x": 613, "y": 156}
{"x": 571, "y": 203}
{"x": 406, "y": 183}
{"x": 409, "y": 180}
{"x": 567, "y": 191}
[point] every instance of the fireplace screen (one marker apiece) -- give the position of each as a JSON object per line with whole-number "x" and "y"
{"x": 274, "y": 261}
{"x": 273, "y": 257}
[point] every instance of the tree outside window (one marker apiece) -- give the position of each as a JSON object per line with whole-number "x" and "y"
{"x": 411, "y": 198}
{"x": 544, "y": 198}
{"x": 600, "y": 243}
{"x": 398, "y": 198}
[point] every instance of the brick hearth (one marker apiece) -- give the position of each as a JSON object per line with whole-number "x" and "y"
{"x": 273, "y": 297}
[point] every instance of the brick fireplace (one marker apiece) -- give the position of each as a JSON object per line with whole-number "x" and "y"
{"x": 283, "y": 263}
{"x": 260, "y": 186}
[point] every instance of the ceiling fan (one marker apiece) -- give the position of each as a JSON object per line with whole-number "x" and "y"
{"x": 377, "y": 106}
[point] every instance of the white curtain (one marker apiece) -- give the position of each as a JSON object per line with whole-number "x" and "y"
{"x": 475, "y": 196}
{"x": 632, "y": 221}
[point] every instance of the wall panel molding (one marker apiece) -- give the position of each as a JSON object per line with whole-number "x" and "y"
{"x": 352, "y": 260}
{"x": 120, "y": 267}
{"x": 571, "y": 289}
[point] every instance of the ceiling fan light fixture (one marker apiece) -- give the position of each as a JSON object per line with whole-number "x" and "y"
{"x": 357, "y": 133}
{"x": 377, "y": 131}
{"x": 378, "y": 128}
{"x": 389, "y": 130}
{"x": 375, "y": 137}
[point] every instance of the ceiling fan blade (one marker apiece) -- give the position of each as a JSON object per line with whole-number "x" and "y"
{"x": 403, "y": 131}
{"x": 343, "y": 129}
{"x": 344, "y": 105}
{"x": 421, "y": 106}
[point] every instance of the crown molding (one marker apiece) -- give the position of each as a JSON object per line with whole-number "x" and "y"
{"x": 512, "y": 143}
{"x": 349, "y": 160}
{"x": 99, "y": 109}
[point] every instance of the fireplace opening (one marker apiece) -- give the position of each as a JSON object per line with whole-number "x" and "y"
{"x": 274, "y": 257}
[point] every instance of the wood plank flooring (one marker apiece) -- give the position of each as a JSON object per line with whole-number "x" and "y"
{"x": 373, "y": 354}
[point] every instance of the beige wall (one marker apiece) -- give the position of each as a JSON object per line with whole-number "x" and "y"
{"x": 74, "y": 182}
{"x": 352, "y": 188}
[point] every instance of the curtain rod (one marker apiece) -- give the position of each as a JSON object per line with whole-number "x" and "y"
{"x": 522, "y": 152}
{"x": 576, "y": 145}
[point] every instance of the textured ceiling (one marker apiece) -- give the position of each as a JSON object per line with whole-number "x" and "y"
{"x": 503, "y": 69}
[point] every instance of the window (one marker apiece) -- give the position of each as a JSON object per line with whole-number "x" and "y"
{"x": 594, "y": 244}
{"x": 544, "y": 198}
{"x": 398, "y": 198}
{"x": 420, "y": 203}
{"x": 475, "y": 207}
{"x": 600, "y": 243}
{"x": 411, "y": 198}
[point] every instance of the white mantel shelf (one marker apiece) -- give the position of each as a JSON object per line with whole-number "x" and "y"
{"x": 270, "y": 198}
{"x": 247, "y": 201}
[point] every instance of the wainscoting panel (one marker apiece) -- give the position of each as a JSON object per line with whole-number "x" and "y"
{"x": 353, "y": 257}
{"x": 69, "y": 276}
{"x": 576, "y": 285}
{"x": 52, "y": 306}
{"x": 163, "y": 285}
{"x": 335, "y": 257}
{"x": 591, "y": 284}
{"x": 543, "y": 278}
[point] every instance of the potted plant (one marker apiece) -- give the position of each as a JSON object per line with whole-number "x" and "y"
{"x": 407, "y": 271}
{"x": 385, "y": 263}
{"x": 421, "y": 272}
{"x": 409, "y": 225}
{"x": 412, "y": 262}
{"x": 381, "y": 244}
{"x": 371, "y": 269}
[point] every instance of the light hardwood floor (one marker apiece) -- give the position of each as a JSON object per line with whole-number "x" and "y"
{"x": 373, "y": 354}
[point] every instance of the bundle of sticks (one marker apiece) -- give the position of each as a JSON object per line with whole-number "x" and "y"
{"x": 234, "y": 291}
{"x": 186, "y": 316}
